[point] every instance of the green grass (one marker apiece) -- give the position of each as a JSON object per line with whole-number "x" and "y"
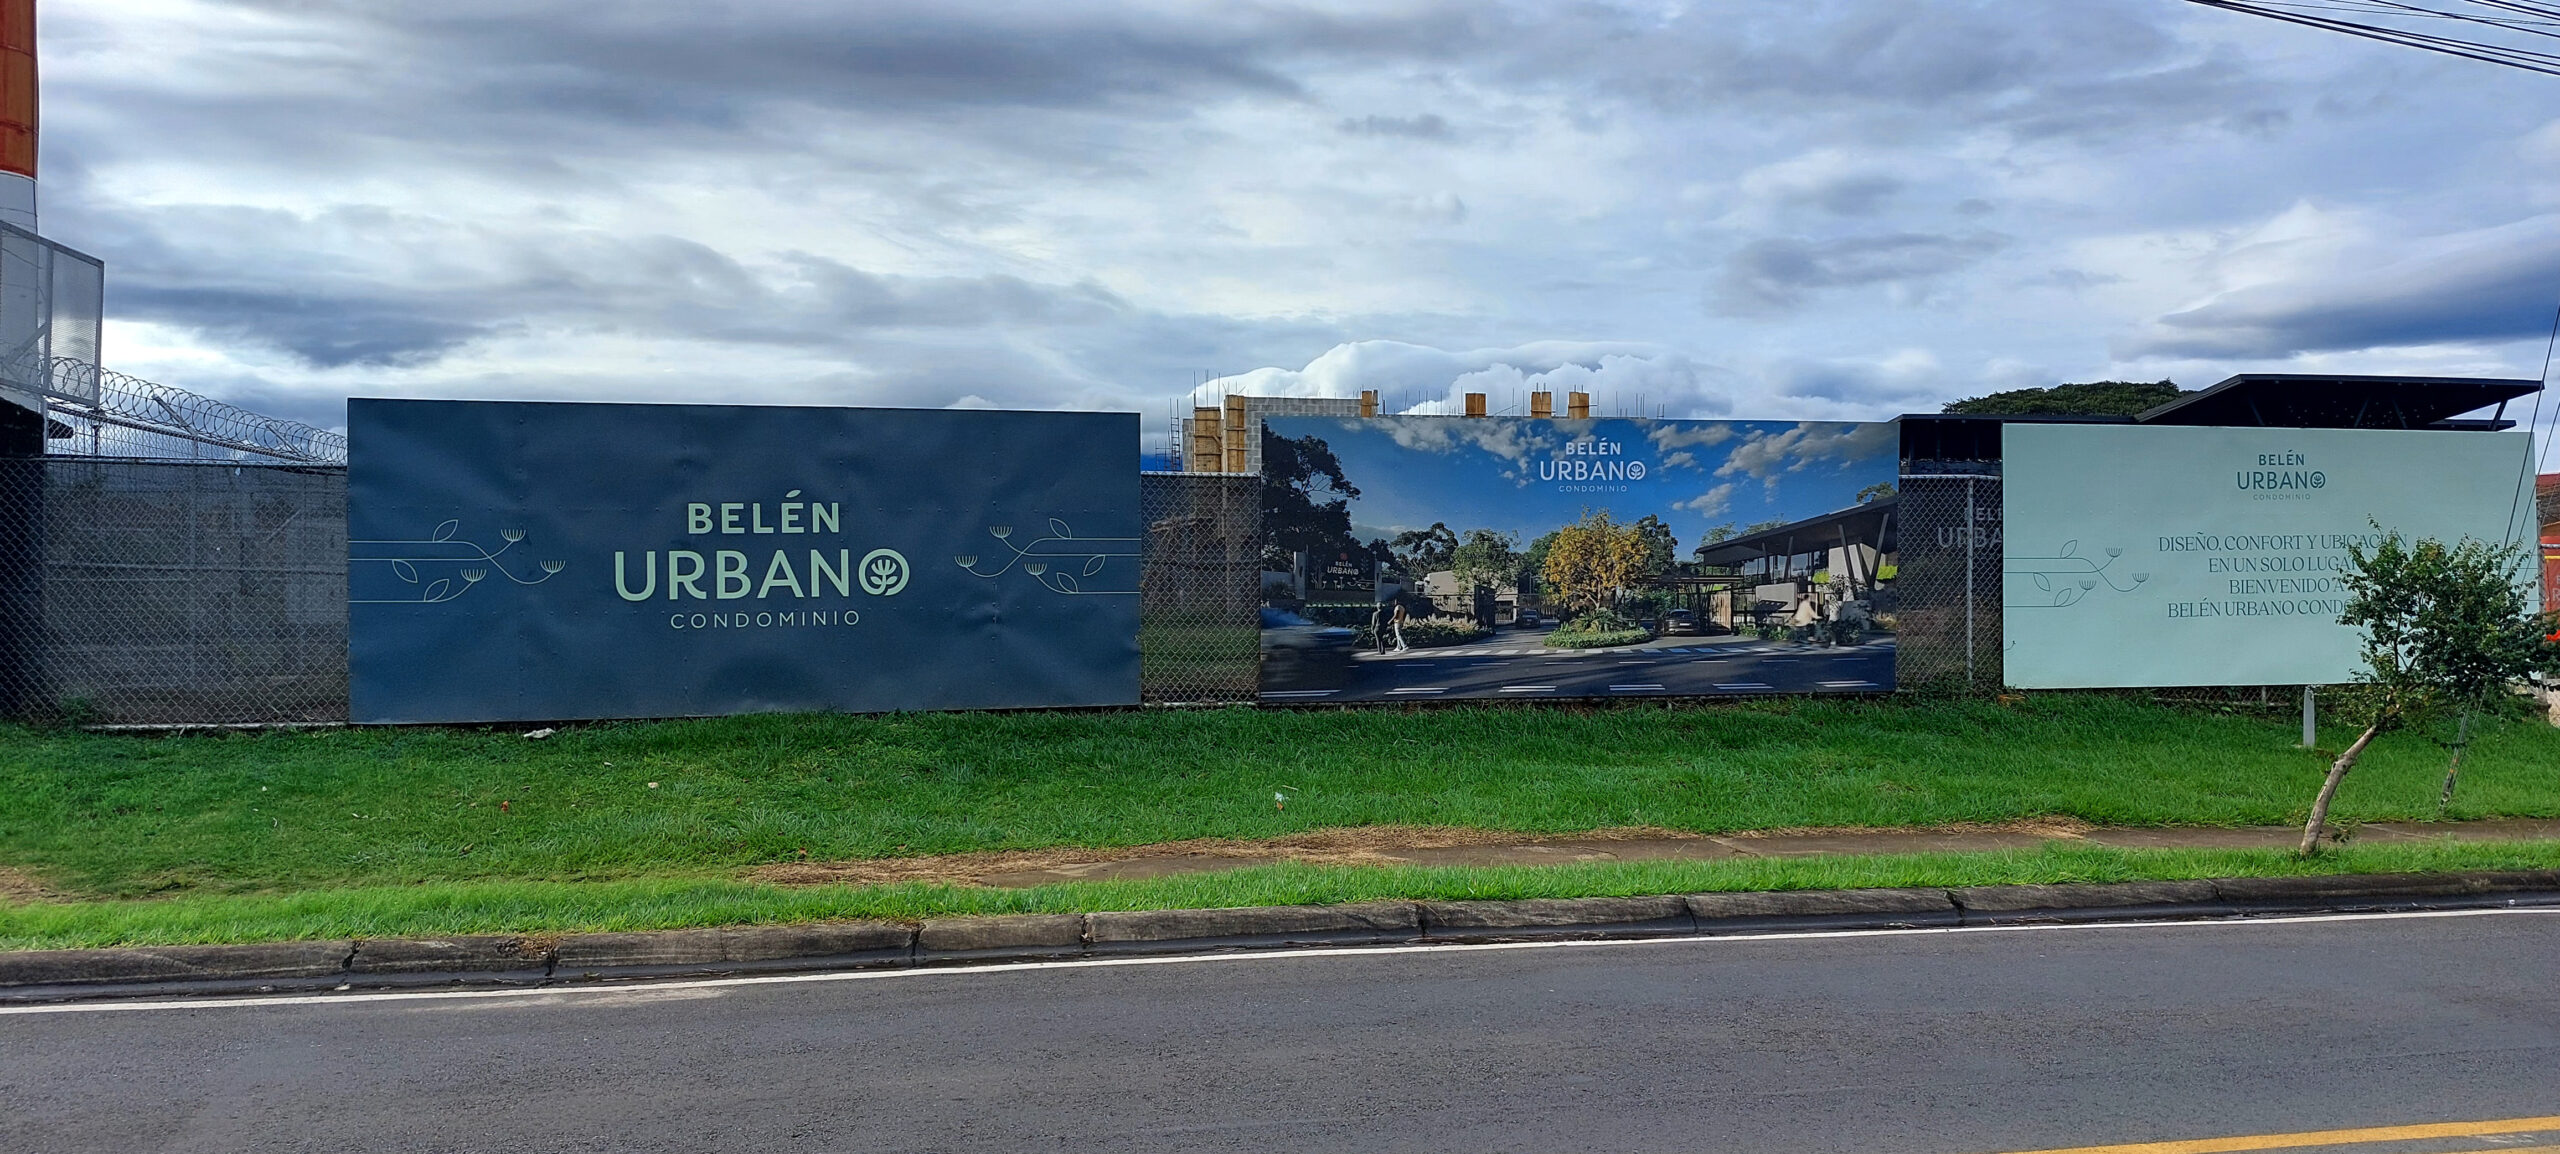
{"x": 118, "y": 816}
{"x": 550, "y": 907}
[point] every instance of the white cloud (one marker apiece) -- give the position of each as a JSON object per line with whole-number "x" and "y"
{"x": 1711, "y": 503}
{"x": 1766, "y": 457}
{"x": 1422, "y": 380}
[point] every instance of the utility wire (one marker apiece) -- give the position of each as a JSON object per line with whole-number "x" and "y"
{"x": 2518, "y": 18}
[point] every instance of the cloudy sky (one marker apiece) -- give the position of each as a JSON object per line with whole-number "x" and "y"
{"x": 1820, "y": 209}
{"x": 1529, "y": 478}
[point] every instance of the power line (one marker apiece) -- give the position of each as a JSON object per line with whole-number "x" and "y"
{"x": 2490, "y": 31}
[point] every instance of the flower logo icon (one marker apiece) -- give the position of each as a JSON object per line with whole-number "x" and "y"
{"x": 884, "y": 572}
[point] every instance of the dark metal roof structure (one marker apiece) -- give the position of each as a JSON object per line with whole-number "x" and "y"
{"x": 1870, "y": 524}
{"x": 2253, "y": 400}
{"x": 2313, "y": 401}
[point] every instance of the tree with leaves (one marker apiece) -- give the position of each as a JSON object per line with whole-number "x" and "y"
{"x": 1306, "y": 501}
{"x": 2446, "y": 627}
{"x": 2096, "y": 398}
{"x": 1661, "y": 549}
{"x": 1422, "y": 552}
{"x": 1487, "y": 561}
{"x": 1880, "y": 491}
{"x": 1593, "y": 558}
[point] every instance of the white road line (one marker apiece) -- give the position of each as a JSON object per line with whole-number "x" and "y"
{"x": 1422, "y": 689}
{"x": 633, "y": 990}
{"x": 1299, "y": 692}
{"x": 1528, "y": 689}
{"x": 1732, "y": 685}
{"x": 1634, "y": 688}
{"x": 1848, "y": 684}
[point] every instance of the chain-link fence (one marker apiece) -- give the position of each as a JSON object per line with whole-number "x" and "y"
{"x": 174, "y": 593}
{"x": 1199, "y": 586}
{"x": 193, "y": 593}
{"x": 1948, "y": 588}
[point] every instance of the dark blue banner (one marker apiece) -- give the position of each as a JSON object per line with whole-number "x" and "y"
{"x": 518, "y": 561}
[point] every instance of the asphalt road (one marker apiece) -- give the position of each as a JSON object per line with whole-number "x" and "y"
{"x": 1925, "y": 1042}
{"x": 1517, "y": 664}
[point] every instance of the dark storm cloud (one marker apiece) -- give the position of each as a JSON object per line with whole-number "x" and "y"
{"x": 1427, "y": 126}
{"x": 1850, "y": 382}
{"x": 2035, "y": 70}
{"x": 323, "y": 331}
{"x": 2494, "y": 285}
{"x": 484, "y": 77}
{"x": 203, "y": 275}
{"x": 1780, "y": 273}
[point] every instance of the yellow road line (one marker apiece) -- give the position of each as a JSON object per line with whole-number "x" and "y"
{"x": 2330, "y": 1138}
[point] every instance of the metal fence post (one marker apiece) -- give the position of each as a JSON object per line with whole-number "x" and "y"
{"x": 1972, "y": 532}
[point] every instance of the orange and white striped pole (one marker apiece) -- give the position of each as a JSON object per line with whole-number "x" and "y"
{"x": 18, "y": 113}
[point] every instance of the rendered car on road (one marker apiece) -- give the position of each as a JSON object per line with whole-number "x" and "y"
{"x": 1681, "y": 622}
{"x": 1301, "y": 654}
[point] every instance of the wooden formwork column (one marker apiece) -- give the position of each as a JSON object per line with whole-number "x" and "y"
{"x": 1233, "y": 432}
{"x": 1578, "y": 406}
{"x": 1368, "y": 402}
{"x": 1208, "y": 449}
{"x": 1475, "y": 404}
{"x": 1542, "y": 404}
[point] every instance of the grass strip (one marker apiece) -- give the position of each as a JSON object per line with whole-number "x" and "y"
{"x": 676, "y": 903}
{"x": 117, "y": 816}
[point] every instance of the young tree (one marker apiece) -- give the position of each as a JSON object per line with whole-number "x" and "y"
{"x": 1593, "y": 558}
{"x": 2445, "y": 626}
{"x": 2482, "y": 638}
{"x": 1661, "y": 549}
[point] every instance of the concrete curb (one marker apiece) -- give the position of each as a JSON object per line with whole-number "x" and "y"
{"x": 44, "y": 975}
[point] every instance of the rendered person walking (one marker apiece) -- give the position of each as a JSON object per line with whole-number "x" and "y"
{"x": 1399, "y": 628}
{"x": 1378, "y": 626}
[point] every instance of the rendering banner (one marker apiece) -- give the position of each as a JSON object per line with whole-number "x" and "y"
{"x": 516, "y": 562}
{"x": 1438, "y": 558}
{"x": 2162, "y": 556}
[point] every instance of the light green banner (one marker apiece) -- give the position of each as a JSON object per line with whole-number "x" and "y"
{"x": 2140, "y": 555}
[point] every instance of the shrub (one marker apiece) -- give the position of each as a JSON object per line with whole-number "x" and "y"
{"x": 1562, "y": 639}
{"x": 1597, "y": 629}
{"x": 1428, "y": 632}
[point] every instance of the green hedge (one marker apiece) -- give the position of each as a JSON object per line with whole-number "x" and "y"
{"x": 1561, "y": 639}
{"x": 1430, "y": 632}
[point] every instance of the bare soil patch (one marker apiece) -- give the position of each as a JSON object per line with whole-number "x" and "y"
{"x": 17, "y": 887}
{"x": 1362, "y": 845}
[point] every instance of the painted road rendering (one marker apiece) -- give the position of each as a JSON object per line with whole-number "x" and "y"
{"x": 1932, "y": 1042}
{"x": 1518, "y": 664}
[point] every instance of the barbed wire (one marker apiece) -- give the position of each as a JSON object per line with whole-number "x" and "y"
{"x": 130, "y": 402}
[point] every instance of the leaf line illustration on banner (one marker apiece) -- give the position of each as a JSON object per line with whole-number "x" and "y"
{"x": 462, "y": 560}
{"x": 2065, "y": 578}
{"x": 1040, "y": 558}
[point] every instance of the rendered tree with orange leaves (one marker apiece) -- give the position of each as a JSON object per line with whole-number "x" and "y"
{"x": 1595, "y": 557}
